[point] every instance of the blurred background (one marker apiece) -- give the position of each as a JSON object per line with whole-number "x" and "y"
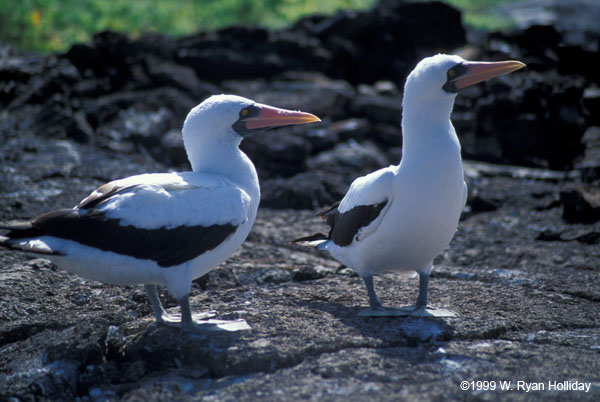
{"x": 121, "y": 77}
{"x": 54, "y": 25}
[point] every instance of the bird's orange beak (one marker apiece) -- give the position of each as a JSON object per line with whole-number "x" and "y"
{"x": 478, "y": 71}
{"x": 270, "y": 116}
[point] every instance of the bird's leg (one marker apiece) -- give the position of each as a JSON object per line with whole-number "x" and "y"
{"x": 373, "y": 299}
{"x": 187, "y": 323}
{"x": 423, "y": 289}
{"x": 420, "y": 308}
{"x": 190, "y": 324}
{"x": 376, "y": 308}
{"x": 159, "y": 312}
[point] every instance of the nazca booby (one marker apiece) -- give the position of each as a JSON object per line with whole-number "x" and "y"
{"x": 401, "y": 217}
{"x": 165, "y": 228}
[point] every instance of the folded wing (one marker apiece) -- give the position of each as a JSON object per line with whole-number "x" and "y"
{"x": 167, "y": 218}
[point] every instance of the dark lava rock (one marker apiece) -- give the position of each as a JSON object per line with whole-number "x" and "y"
{"x": 321, "y": 64}
{"x": 589, "y": 165}
{"x": 523, "y": 281}
{"x": 580, "y": 206}
{"x": 390, "y": 138}
{"x": 378, "y": 108}
{"x": 350, "y": 158}
{"x": 541, "y": 43}
{"x": 308, "y": 274}
{"x": 526, "y": 308}
{"x": 249, "y": 53}
{"x": 313, "y": 93}
{"x": 109, "y": 54}
{"x": 355, "y": 128}
{"x": 326, "y": 136}
{"x": 576, "y": 20}
{"x": 165, "y": 73}
{"x": 591, "y": 101}
{"x": 16, "y": 70}
{"x": 137, "y": 127}
{"x": 541, "y": 126}
{"x": 393, "y": 33}
{"x": 322, "y": 138}
{"x": 309, "y": 190}
{"x": 173, "y": 150}
{"x": 277, "y": 153}
{"x": 590, "y": 237}
{"x": 479, "y": 204}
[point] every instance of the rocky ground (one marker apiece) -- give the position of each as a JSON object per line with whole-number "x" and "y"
{"x": 522, "y": 272}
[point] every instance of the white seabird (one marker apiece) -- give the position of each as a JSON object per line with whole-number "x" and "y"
{"x": 165, "y": 228}
{"x": 401, "y": 217}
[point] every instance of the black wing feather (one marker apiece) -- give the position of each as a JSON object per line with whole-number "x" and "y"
{"x": 345, "y": 225}
{"x": 168, "y": 247}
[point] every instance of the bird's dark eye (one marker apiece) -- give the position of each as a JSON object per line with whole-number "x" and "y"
{"x": 451, "y": 73}
{"x": 244, "y": 112}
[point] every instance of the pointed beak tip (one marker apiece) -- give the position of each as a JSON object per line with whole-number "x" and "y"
{"x": 312, "y": 118}
{"x": 518, "y": 65}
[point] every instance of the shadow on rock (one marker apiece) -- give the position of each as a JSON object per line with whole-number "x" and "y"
{"x": 407, "y": 331}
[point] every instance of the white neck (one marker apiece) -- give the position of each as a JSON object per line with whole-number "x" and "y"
{"x": 221, "y": 155}
{"x": 427, "y": 130}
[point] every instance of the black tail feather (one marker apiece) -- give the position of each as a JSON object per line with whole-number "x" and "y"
{"x": 316, "y": 236}
{"x": 328, "y": 209}
{"x": 328, "y": 213}
{"x": 19, "y": 229}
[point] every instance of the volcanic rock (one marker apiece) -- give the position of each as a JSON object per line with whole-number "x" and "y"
{"x": 349, "y": 159}
{"x": 308, "y": 190}
{"x": 580, "y": 206}
{"x": 523, "y": 280}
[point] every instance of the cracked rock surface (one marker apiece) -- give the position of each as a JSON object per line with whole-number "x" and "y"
{"x": 522, "y": 273}
{"x": 527, "y": 305}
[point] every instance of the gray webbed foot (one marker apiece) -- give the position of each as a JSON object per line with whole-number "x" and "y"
{"x": 198, "y": 322}
{"x": 420, "y": 309}
{"x": 407, "y": 311}
{"x": 201, "y": 323}
{"x": 175, "y": 319}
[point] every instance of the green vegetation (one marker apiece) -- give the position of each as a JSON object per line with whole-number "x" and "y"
{"x": 480, "y": 13}
{"x": 53, "y": 25}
